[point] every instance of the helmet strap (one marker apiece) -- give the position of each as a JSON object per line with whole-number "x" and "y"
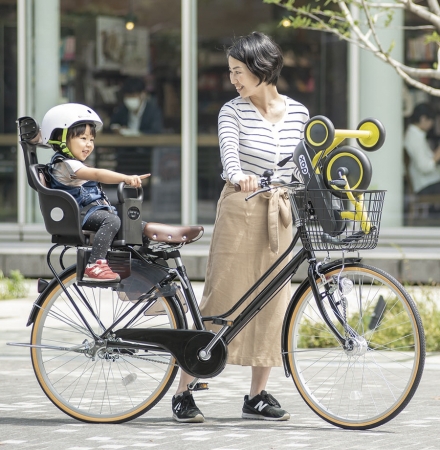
{"x": 62, "y": 144}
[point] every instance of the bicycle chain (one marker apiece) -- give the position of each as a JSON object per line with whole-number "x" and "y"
{"x": 152, "y": 360}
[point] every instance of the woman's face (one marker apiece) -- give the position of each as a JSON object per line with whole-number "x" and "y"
{"x": 82, "y": 146}
{"x": 242, "y": 78}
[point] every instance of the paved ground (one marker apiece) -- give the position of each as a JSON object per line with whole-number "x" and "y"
{"x": 29, "y": 420}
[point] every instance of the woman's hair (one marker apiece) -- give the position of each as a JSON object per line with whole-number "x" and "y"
{"x": 262, "y": 56}
{"x": 422, "y": 109}
{"x": 73, "y": 131}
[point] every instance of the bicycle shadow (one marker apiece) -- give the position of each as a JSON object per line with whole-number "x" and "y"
{"x": 210, "y": 422}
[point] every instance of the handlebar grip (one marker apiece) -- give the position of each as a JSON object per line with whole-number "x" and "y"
{"x": 120, "y": 192}
{"x": 237, "y": 187}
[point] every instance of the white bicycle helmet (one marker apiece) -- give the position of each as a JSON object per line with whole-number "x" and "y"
{"x": 63, "y": 117}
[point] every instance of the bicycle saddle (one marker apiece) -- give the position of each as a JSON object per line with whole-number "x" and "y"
{"x": 172, "y": 234}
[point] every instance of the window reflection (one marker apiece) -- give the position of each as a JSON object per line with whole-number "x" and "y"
{"x": 314, "y": 74}
{"x": 123, "y": 59}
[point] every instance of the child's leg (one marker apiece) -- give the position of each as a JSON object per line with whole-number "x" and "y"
{"x": 106, "y": 226}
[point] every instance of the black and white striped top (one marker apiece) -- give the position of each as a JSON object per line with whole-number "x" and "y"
{"x": 250, "y": 144}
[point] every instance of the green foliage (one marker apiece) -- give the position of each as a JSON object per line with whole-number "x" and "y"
{"x": 390, "y": 48}
{"x": 433, "y": 37}
{"x": 389, "y": 19}
{"x": 394, "y": 330}
{"x": 288, "y": 3}
{"x": 13, "y": 287}
{"x": 429, "y": 310}
{"x": 319, "y": 15}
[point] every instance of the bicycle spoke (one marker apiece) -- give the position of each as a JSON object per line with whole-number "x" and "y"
{"x": 368, "y": 382}
{"x": 100, "y": 383}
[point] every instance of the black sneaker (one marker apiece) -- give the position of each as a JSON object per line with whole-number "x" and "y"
{"x": 263, "y": 407}
{"x": 185, "y": 409}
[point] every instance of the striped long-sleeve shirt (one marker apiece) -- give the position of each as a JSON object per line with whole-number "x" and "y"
{"x": 250, "y": 144}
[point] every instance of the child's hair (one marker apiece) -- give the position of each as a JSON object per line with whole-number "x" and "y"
{"x": 73, "y": 131}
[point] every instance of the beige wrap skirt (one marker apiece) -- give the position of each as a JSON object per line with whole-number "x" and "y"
{"x": 248, "y": 238}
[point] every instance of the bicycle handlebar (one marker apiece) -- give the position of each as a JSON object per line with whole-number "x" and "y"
{"x": 265, "y": 183}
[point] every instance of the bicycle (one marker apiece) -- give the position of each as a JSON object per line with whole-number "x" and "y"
{"x": 352, "y": 338}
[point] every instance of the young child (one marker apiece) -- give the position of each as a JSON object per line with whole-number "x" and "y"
{"x": 71, "y": 129}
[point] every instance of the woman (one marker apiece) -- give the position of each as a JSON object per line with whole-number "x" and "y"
{"x": 256, "y": 131}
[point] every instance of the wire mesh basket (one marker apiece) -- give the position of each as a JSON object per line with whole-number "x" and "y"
{"x": 340, "y": 220}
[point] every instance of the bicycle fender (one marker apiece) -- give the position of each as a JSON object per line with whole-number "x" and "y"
{"x": 337, "y": 263}
{"x": 39, "y": 301}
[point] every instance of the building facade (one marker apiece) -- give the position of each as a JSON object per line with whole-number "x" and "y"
{"x": 82, "y": 51}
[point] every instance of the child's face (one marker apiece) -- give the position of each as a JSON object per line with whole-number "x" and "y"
{"x": 81, "y": 146}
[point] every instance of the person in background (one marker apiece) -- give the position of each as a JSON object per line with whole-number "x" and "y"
{"x": 424, "y": 171}
{"x": 139, "y": 112}
{"x": 257, "y": 130}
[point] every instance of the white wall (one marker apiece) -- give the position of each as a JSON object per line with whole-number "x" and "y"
{"x": 380, "y": 95}
{"x": 46, "y": 56}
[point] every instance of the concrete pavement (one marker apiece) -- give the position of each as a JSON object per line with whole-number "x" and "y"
{"x": 28, "y": 420}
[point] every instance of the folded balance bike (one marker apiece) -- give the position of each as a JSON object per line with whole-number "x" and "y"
{"x": 352, "y": 338}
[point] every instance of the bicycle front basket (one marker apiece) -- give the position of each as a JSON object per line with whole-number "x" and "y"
{"x": 349, "y": 221}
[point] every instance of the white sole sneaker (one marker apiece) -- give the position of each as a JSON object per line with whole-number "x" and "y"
{"x": 261, "y": 417}
{"x": 197, "y": 419}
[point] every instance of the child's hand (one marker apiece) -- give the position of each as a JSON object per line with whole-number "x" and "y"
{"x": 136, "y": 180}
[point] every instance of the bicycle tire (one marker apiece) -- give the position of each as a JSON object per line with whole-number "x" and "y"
{"x": 114, "y": 387}
{"x": 348, "y": 389}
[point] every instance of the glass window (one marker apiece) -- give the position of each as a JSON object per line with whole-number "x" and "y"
{"x": 123, "y": 60}
{"x": 314, "y": 74}
{"x": 421, "y": 187}
{"x": 8, "y": 111}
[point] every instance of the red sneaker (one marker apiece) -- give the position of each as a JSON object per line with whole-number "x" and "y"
{"x": 100, "y": 271}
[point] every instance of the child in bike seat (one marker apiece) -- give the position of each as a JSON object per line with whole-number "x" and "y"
{"x": 71, "y": 129}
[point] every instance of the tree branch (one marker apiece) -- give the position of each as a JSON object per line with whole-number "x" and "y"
{"x": 434, "y": 7}
{"x": 422, "y": 12}
{"x": 370, "y": 40}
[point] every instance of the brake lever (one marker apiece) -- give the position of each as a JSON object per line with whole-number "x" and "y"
{"x": 268, "y": 188}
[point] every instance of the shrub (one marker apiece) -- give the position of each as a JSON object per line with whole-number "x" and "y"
{"x": 395, "y": 333}
{"x": 13, "y": 287}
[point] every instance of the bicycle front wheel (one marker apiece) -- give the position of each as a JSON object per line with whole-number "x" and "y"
{"x": 371, "y": 380}
{"x": 87, "y": 379}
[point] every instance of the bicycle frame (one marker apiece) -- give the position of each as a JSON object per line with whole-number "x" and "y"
{"x": 230, "y": 329}
{"x": 170, "y": 339}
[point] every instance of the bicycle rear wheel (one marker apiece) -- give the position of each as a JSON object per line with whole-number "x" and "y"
{"x": 92, "y": 381}
{"x": 369, "y": 384}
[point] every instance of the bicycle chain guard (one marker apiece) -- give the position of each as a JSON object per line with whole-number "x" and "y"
{"x": 184, "y": 345}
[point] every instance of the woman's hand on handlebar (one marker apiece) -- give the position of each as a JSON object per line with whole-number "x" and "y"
{"x": 249, "y": 183}
{"x": 136, "y": 180}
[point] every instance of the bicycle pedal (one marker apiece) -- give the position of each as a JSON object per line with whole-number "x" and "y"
{"x": 222, "y": 322}
{"x": 200, "y": 387}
